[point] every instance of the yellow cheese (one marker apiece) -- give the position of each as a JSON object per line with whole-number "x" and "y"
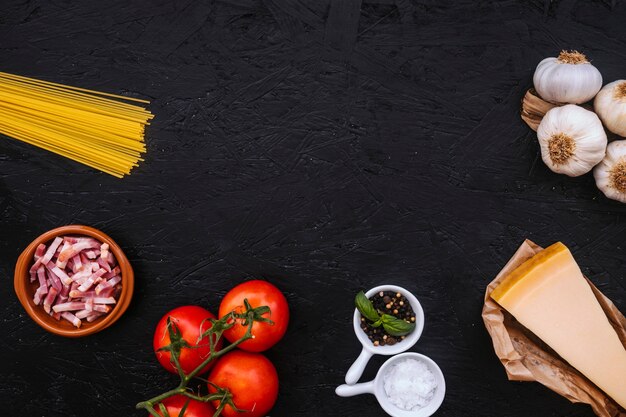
{"x": 549, "y": 295}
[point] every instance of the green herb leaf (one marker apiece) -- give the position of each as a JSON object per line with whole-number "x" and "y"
{"x": 377, "y": 323}
{"x": 365, "y": 306}
{"x": 395, "y": 326}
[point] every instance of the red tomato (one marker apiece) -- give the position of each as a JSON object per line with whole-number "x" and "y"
{"x": 195, "y": 408}
{"x": 251, "y": 378}
{"x": 258, "y": 293}
{"x": 189, "y": 319}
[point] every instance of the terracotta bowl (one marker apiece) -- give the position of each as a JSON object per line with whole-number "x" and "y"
{"x": 25, "y": 290}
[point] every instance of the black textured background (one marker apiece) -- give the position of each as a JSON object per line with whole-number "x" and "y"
{"x": 327, "y": 146}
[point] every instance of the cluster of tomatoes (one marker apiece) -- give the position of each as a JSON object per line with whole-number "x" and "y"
{"x": 247, "y": 374}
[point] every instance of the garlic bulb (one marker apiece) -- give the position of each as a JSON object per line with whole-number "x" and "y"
{"x": 610, "y": 105}
{"x": 570, "y": 78}
{"x": 572, "y": 140}
{"x": 610, "y": 174}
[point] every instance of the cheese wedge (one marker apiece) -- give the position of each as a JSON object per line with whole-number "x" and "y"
{"x": 549, "y": 295}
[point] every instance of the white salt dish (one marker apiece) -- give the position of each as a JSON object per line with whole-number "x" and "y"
{"x": 357, "y": 368}
{"x": 377, "y": 387}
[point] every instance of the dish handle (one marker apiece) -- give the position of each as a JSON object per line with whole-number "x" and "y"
{"x": 357, "y": 368}
{"x": 357, "y": 389}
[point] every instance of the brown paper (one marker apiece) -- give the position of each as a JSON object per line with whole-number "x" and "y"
{"x": 526, "y": 358}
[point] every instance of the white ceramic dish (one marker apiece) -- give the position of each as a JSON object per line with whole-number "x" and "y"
{"x": 377, "y": 388}
{"x": 357, "y": 368}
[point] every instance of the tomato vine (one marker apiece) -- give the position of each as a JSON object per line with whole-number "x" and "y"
{"x": 214, "y": 333}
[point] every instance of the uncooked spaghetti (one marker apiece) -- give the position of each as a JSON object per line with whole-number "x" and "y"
{"x": 97, "y": 129}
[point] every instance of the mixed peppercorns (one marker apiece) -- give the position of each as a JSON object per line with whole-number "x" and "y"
{"x": 394, "y": 304}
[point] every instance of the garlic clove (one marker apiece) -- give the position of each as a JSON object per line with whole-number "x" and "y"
{"x": 610, "y": 105}
{"x": 570, "y": 78}
{"x": 610, "y": 174}
{"x": 572, "y": 140}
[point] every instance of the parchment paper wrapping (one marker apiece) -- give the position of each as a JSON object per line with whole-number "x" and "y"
{"x": 526, "y": 358}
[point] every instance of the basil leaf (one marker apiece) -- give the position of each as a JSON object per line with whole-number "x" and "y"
{"x": 395, "y": 326}
{"x": 365, "y": 306}
{"x": 377, "y": 323}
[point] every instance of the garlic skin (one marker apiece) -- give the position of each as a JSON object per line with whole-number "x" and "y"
{"x": 610, "y": 105}
{"x": 572, "y": 140}
{"x": 570, "y": 78}
{"x": 610, "y": 174}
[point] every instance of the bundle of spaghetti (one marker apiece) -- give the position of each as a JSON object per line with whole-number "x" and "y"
{"x": 101, "y": 130}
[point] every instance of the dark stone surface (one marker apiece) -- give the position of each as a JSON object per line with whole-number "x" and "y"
{"x": 325, "y": 147}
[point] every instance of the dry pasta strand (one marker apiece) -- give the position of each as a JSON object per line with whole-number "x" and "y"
{"x": 100, "y": 130}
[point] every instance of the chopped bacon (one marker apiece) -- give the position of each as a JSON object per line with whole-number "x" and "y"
{"x": 77, "y": 264}
{"x": 83, "y": 295}
{"x": 78, "y": 247}
{"x": 37, "y": 296}
{"x": 108, "y": 284}
{"x": 83, "y": 258}
{"x": 78, "y": 278}
{"x": 115, "y": 271}
{"x": 49, "y": 300}
{"x": 55, "y": 281}
{"x": 102, "y": 308}
{"x": 65, "y": 247}
{"x": 104, "y": 264}
{"x": 39, "y": 252}
{"x": 71, "y": 318}
{"x": 81, "y": 276}
{"x": 83, "y": 314}
{"x": 59, "y": 273}
{"x": 47, "y": 257}
{"x": 94, "y": 315}
{"x": 71, "y": 306}
{"x": 104, "y": 250}
{"x": 103, "y": 300}
{"x": 41, "y": 274}
{"x": 91, "y": 280}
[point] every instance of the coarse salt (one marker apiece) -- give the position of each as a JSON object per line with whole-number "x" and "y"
{"x": 409, "y": 384}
